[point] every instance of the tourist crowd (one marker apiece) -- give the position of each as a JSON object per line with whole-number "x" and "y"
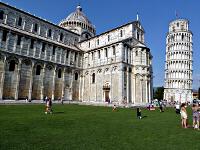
{"x": 184, "y": 115}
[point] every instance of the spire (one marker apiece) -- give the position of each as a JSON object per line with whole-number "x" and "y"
{"x": 176, "y": 14}
{"x": 137, "y": 17}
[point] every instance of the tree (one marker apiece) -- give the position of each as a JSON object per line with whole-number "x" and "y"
{"x": 159, "y": 93}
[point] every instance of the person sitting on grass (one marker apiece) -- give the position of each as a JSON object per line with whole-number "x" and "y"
{"x": 47, "y": 104}
{"x": 139, "y": 113}
{"x": 114, "y": 108}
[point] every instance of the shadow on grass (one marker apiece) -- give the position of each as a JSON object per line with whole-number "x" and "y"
{"x": 59, "y": 112}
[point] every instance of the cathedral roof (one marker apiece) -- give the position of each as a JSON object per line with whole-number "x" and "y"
{"x": 140, "y": 45}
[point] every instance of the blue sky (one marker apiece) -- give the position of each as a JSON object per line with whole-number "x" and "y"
{"x": 155, "y": 16}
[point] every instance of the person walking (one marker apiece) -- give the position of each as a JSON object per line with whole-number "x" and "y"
{"x": 50, "y": 106}
{"x": 46, "y": 99}
{"x": 177, "y": 106}
{"x": 26, "y": 99}
{"x": 62, "y": 99}
{"x": 160, "y": 106}
{"x": 195, "y": 116}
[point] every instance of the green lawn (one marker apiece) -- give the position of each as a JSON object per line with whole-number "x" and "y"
{"x": 27, "y": 127}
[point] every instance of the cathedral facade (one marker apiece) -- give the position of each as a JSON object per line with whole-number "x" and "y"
{"x": 178, "y": 65}
{"x": 39, "y": 58}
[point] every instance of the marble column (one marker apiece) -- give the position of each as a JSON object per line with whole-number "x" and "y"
{"x": 80, "y": 87}
{"x": 146, "y": 98}
{"x": 2, "y": 78}
{"x": 21, "y": 45}
{"x": 63, "y": 83}
{"x": 95, "y": 87}
{"x": 149, "y": 85}
{"x": 90, "y": 76}
{"x": 31, "y": 82}
{"x": 6, "y": 18}
{"x": 127, "y": 86}
{"x": 69, "y": 58}
{"x": 121, "y": 85}
{"x": 7, "y": 41}
{"x": 111, "y": 89}
{"x": 65, "y": 59}
{"x": 42, "y": 86}
{"x": 18, "y": 79}
{"x": 133, "y": 89}
{"x": 121, "y": 49}
{"x": 141, "y": 89}
{"x": 126, "y": 52}
{"x": 53, "y": 85}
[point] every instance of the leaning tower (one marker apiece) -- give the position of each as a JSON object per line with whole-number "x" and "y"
{"x": 178, "y": 64}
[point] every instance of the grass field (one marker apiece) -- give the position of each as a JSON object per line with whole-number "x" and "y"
{"x": 26, "y": 127}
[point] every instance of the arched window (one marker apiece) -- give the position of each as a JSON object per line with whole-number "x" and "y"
{"x": 38, "y": 70}
{"x": 49, "y": 33}
{"x": 106, "y": 52}
{"x": 76, "y": 76}
{"x": 43, "y": 47}
{"x": 121, "y": 33}
{"x": 136, "y": 53}
{"x": 182, "y": 27}
{"x": 108, "y": 38}
{"x": 61, "y": 36}
{"x": 19, "y": 21}
{"x": 182, "y": 37}
{"x": 12, "y": 65}
{"x": 1, "y": 14}
{"x": 36, "y": 27}
{"x": 86, "y": 36}
{"x": 54, "y": 50}
{"x": 93, "y": 78}
{"x": 59, "y": 73}
{"x": 138, "y": 36}
{"x": 114, "y": 50}
{"x": 4, "y": 36}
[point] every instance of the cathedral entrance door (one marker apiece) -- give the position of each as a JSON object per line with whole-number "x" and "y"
{"x": 106, "y": 89}
{"x": 107, "y": 98}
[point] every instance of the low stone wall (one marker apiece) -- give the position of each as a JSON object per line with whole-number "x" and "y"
{"x": 105, "y": 104}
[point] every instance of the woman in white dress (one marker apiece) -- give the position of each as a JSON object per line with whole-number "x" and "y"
{"x": 184, "y": 115}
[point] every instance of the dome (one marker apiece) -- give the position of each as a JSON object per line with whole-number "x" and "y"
{"x": 78, "y": 22}
{"x": 78, "y": 15}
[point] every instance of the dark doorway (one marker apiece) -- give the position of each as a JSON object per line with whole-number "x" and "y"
{"x": 107, "y": 98}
